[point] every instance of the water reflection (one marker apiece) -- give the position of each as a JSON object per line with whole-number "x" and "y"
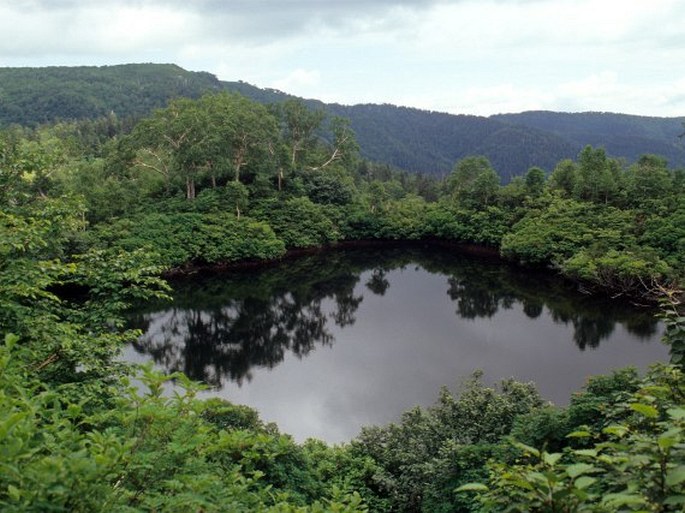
{"x": 222, "y": 328}
{"x": 378, "y": 283}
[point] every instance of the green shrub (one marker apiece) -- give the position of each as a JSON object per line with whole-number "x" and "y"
{"x": 183, "y": 238}
{"x": 298, "y": 222}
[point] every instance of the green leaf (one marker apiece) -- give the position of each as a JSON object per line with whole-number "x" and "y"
{"x": 584, "y": 482}
{"x": 666, "y": 442}
{"x": 616, "y": 429}
{"x": 592, "y": 453}
{"x": 537, "y": 477}
{"x": 14, "y": 492}
{"x": 472, "y": 487}
{"x": 674, "y": 500}
{"x": 578, "y": 469}
{"x": 579, "y": 434}
{"x": 622, "y": 499}
{"x": 527, "y": 449}
{"x": 10, "y": 340}
{"x": 675, "y": 476}
{"x": 522, "y": 483}
{"x": 551, "y": 458}
{"x": 645, "y": 409}
{"x": 676, "y": 413}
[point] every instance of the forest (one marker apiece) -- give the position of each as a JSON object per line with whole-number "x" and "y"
{"x": 97, "y": 212}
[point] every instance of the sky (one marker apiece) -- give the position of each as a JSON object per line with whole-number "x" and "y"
{"x": 462, "y": 56}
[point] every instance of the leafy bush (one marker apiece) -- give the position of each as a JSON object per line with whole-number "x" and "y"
{"x": 443, "y": 444}
{"x": 544, "y": 428}
{"x": 403, "y": 220}
{"x": 623, "y": 271}
{"x": 588, "y": 407}
{"x": 298, "y": 222}
{"x": 486, "y": 226}
{"x": 183, "y": 238}
{"x": 632, "y": 464}
{"x": 564, "y": 228}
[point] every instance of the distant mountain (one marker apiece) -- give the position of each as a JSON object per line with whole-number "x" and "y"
{"x": 419, "y": 140}
{"x": 410, "y": 139}
{"x": 31, "y": 96}
{"x": 620, "y": 134}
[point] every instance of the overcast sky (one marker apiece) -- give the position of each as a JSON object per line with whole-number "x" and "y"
{"x": 460, "y": 56}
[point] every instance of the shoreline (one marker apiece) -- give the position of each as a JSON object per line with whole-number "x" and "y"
{"x": 470, "y": 249}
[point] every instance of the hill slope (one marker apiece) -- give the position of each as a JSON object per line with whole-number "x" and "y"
{"x": 620, "y": 134}
{"x": 410, "y": 139}
{"x": 30, "y": 96}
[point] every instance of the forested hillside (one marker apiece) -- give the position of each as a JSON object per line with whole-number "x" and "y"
{"x": 31, "y": 96}
{"x": 620, "y": 134}
{"x": 430, "y": 142}
{"x": 410, "y": 139}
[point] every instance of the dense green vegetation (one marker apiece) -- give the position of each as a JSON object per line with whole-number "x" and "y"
{"x": 620, "y": 134}
{"x": 31, "y": 96}
{"x": 93, "y": 215}
{"x": 430, "y": 142}
{"x": 405, "y": 138}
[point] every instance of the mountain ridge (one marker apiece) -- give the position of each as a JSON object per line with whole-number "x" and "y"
{"x": 408, "y": 138}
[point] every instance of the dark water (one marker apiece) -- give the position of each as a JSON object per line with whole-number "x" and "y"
{"x": 323, "y": 345}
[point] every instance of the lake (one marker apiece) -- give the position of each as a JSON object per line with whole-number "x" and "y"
{"x": 325, "y": 344}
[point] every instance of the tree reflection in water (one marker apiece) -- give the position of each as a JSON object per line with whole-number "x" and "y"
{"x": 222, "y": 326}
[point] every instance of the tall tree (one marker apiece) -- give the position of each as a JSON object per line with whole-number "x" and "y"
{"x": 171, "y": 142}
{"x": 241, "y": 131}
{"x": 473, "y": 182}
{"x": 564, "y": 177}
{"x": 597, "y": 177}
{"x": 299, "y": 126}
{"x": 214, "y": 136}
{"x": 535, "y": 181}
{"x": 344, "y": 149}
{"x": 648, "y": 179}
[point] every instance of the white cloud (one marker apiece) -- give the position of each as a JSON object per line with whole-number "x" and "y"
{"x": 501, "y": 99}
{"x": 595, "y": 88}
{"x": 476, "y": 56}
{"x": 132, "y": 28}
{"x": 298, "y": 80}
{"x": 94, "y": 31}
